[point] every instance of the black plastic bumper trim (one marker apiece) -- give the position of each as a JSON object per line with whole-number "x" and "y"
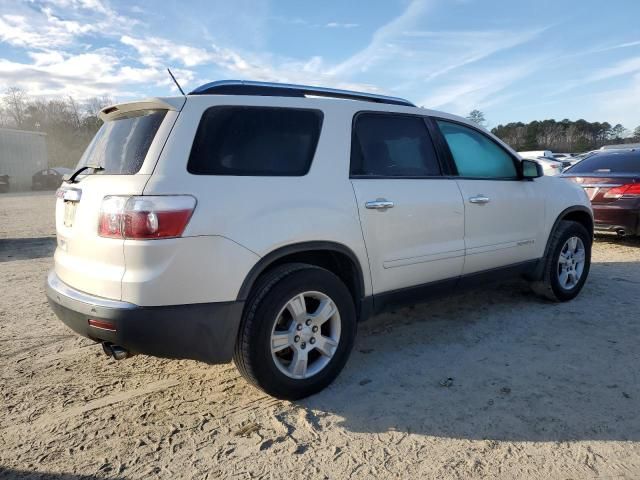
{"x": 201, "y": 331}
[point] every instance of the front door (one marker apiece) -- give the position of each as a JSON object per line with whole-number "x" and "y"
{"x": 504, "y": 215}
{"x": 412, "y": 217}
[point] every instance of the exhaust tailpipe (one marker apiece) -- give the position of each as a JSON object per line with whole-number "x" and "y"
{"x": 621, "y": 232}
{"x": 114, "y": 351}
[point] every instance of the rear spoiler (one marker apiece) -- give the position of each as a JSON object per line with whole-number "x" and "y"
{"x": 165, "y": 103}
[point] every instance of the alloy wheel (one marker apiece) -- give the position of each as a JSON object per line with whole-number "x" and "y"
{"x": 305, "y": 335}
{"x": 571, "y": 263}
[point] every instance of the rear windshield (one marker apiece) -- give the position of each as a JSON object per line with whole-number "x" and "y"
{"x": 623, "y": 162}
{"x": 257, "y": 141}
{"x": 121, "y": 144}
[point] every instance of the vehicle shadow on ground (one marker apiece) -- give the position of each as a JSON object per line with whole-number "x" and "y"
{"x": 8, "y": 473}
{"x": 26, "y": 248}
{"x": 613, "y": 239}
{"x": 500, "y": 364}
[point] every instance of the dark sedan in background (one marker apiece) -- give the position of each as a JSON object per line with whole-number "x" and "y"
{"x": 611, "y": 179}
{"x": 49, "y": 178}
{"x": 4, "y": 183}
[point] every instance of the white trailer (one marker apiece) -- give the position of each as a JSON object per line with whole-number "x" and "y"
{"x": 22, "y": 153}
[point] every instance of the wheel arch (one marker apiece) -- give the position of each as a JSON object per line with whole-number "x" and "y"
{"x": 576, "y": 213}
{"x": 335, "y": 257}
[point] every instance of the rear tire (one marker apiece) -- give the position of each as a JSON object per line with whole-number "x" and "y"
{"x": 567, "y": 263}
{"x": 297, "y": 332}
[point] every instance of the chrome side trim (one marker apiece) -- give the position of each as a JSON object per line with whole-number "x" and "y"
{"x": 500, "y": 246}
{"x": 403, "y": 262}
{"x": 61, "y": 288}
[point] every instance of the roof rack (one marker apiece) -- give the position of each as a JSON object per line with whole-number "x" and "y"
{"x": 269, "y": 89}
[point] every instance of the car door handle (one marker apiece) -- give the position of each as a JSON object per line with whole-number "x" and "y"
{"x": 379, "y": 204}
{"x": 481, "y": 199}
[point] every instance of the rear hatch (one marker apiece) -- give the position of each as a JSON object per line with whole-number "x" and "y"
{"x": 125, "y": 150}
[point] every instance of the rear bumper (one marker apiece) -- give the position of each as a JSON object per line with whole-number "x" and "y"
{"x": 202, "y": 331}
{"x": 613, "y": 218}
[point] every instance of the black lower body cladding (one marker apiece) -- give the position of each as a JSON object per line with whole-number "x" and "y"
{"x": 203, "y": 331}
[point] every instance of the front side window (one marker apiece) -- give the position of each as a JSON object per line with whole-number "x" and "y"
{"x": 255, "y": 141}
{"x": 476, "y": 155}
{"x": 388, "y": 145}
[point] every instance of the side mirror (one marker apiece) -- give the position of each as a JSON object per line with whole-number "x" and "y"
{"x": 531, "y": 169}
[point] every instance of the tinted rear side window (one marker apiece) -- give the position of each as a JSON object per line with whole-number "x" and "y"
{"x": 121, "y": 145}
{"x": 623, "y": 162}
{"x": 256, "y": 141}
{"x": 388, "y": 145}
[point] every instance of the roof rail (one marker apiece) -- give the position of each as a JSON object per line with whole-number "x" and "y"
{"x": 269, "y": 89}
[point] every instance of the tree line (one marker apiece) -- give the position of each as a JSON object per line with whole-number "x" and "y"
{"x": 69, "y": 124}
{"x": 563, "y": 136}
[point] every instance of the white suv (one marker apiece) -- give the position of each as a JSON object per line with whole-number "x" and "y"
{"x": 261, "y": 222}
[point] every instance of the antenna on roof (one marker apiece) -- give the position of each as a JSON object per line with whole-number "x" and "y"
{"x": 176, "y": 82}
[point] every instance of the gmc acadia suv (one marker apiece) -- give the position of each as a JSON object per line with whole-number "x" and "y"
{"x": 261, "y": 222}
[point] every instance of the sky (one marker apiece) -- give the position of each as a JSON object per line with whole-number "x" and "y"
{"x": 513, "y": 60}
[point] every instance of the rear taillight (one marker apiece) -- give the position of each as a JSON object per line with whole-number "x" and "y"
{"x": 628, "y": 190}
{"x": 111, "y": 213}
{"x": 140, "y": 218}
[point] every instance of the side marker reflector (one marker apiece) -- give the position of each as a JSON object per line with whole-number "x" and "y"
{"x": 102, "y": 325}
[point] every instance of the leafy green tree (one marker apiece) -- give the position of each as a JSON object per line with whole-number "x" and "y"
{"x": 69, "y": 125}
{"x": 618, "y": 132}
{"x": 15, "y": 105}
{"x": 562, "y": 136}
{"x": 477, "y": 117}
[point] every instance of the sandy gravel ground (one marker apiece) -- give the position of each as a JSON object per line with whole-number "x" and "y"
{"x": 538, "y": 390}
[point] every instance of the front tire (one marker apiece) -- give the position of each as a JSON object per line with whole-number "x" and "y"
{"x": 567, "y": 263}
{"x": 297, "y": 332}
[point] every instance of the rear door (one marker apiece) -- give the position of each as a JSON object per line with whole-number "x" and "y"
{"x": 504, "y": 215}
{"x": 126, "y": 147}
{"x": 412, "y": 216}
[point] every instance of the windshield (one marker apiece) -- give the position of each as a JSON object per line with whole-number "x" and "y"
{"x": 621, "y": 162}
{"x": 121, "y": 145}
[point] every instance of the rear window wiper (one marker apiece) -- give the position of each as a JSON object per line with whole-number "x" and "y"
{"x": 72, "y": 178}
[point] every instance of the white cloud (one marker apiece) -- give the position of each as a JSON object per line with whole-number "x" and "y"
{"x": 456, "y": 70}
{"x": 160, "y": 52}
{"x": 615, "y": 47}
{"x": 341, "y": 25}
{"x": 155, "y": 51}
{"x": 94, "y": 5}
{"x": 399, "y": 55}
{"x": 39, "y": 26}
{"x": 380, "y": 49}
{"x": 446, "y": 51}
{"x": 84, "y": 75}
{"x": 624, "y": 67}
{"x": 478, "y": 89}
{"x": 21, "y": 31}
{"x": 409, "y": 59}
{"x": 621, "y": 105}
